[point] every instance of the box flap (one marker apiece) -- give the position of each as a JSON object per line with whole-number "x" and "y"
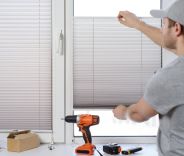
{"x": 14, "y": 134}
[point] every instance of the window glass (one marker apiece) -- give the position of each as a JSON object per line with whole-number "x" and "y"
{"x": 110, "y": 126}
{"x": 111, "y": 7}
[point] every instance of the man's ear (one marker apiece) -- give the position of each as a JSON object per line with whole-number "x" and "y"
{"x": 178, "y": 29}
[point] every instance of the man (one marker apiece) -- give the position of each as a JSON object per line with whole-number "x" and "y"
{"x": 164, "y": 94}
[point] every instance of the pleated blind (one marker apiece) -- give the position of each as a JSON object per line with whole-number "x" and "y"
{"x": 25, "y": 64}
{"x": 112, "y": 63}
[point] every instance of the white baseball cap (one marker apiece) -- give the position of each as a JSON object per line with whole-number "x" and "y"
{"x": 175, "y": 12}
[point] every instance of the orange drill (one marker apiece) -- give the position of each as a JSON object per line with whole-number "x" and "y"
{"x": 84, "y": 122}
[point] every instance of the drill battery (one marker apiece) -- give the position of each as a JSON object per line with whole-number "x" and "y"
{"x": 112, "y": 149}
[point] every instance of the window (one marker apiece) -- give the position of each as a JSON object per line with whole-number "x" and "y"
{"x": 112, "y": 63}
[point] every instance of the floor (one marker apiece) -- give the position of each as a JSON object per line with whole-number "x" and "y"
{"x": 68, "y": 150}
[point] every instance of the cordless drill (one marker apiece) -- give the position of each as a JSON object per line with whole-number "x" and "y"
{"x": 84, "y": 122}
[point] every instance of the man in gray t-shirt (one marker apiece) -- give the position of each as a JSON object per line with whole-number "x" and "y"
{"x": 164, "y": 93}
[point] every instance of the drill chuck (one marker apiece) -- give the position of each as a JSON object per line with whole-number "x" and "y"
{"x": 71, "y": 118}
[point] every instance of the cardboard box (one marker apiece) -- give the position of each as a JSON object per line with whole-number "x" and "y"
{"x": 22, "y": 140}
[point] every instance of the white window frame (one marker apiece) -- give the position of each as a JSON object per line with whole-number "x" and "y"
{"x": 69, "y": 92}
{"x": 69, "y": 69}
{"x": 58, "y": 79}
{"x": 58, "y": 70}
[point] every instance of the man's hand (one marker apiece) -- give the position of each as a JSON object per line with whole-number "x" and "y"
{"x": 120, "y": 112}
{"x": 129, "y": 19}
{"x": 139, "y": 112}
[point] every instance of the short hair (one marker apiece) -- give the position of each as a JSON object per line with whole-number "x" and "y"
{"x": 172, "y": 23}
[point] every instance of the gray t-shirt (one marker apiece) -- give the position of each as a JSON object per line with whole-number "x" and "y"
{"x": 165, "y": 93}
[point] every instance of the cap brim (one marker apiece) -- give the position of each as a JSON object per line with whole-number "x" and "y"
{"x": 158, "y": 13}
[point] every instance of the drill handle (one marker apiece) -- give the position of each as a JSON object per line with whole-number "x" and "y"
{"x": 86, "y": 134}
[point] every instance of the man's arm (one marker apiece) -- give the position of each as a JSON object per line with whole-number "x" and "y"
{"x": 131, "y": 20}
{"x": 138, "y": 112}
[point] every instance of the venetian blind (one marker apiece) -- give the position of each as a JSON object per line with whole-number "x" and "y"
{"x": 25, "y": 64}
{"x": 112, "y": 63}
